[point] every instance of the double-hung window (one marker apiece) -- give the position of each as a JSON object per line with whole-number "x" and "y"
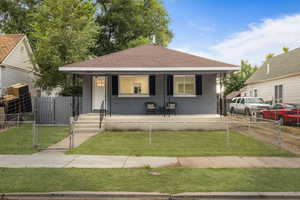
{"x": 137, "y": 85}
{"x": 184, "y": 85}
{"x": 255, "y": 93}
{"x": 278, "y": 93}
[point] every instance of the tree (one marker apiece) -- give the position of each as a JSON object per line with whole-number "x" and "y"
{"x": 270, "y": 55}
{"x": 128, "y": 23}
{"x": 64, "y": 32}
{"x": 15, "y": 15}
{"x": 285, "y": 49}
{"x": 236, "y": 80}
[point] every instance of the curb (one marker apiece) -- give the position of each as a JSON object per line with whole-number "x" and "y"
{"x": 152, "y": 196}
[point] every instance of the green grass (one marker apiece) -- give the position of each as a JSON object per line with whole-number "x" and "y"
{"x": 139, "y": 180}
{"x": 18, "y": 140}
{"x": 177, "y": 143}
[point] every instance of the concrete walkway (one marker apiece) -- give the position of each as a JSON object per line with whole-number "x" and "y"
{"x": 60, "y": 160}
{"x": 64, "y": 144}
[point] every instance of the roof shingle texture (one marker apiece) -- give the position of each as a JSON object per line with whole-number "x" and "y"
{"x": 281, "y": 65}
{"x": 149, "y": 56}
{"x": 8, "y": 43}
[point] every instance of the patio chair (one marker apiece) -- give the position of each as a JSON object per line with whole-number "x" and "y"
{"x": 151, "y": 108}
{"x": 170, "y": 108}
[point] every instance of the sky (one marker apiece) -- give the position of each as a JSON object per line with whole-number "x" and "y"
{"x": 232, "y": 30}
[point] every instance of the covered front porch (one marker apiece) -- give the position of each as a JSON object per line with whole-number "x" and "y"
{"x": 128, "y": 94}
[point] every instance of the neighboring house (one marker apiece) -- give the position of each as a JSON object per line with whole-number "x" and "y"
{"x": 126, "y": 80}
{"x": 278, "y": 80}
{"x": 233, "y": 94}
{"x": 15, "y": 61}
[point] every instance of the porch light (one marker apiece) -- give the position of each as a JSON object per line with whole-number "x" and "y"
{"x": 100, "y": 83}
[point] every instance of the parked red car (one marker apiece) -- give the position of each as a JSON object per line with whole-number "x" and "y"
{"x": 286, "y": 113}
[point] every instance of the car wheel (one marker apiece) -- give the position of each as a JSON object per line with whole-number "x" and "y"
{"x": 232, "y": 110}
{"x": 247, "y": 112}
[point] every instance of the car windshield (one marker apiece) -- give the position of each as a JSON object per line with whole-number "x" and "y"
{"x": 292, "y": 106}
{"x": 255, "y": 100}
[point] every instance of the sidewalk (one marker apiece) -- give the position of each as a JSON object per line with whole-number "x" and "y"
{"x": 60, "y": 160}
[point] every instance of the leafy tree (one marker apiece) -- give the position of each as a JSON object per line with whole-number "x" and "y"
{"x": 63, "y": 31}
{"x": 285, "y": 49}
{"x": 128, "y": 23}
{"x": 236, "y": 80}
{"x": 15, "y": 15}
{"x": 270, "y": 55}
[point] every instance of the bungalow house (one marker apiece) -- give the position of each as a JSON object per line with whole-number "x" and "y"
{"x": 278, "y": 80}
{"x": 124, "y": 81}
{"x": 15, "y": 61}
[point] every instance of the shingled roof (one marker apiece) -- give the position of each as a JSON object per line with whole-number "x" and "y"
{"x": 279, "y": 66}
{"x": 149, "y": 56}
{"x": 8, "y": 43}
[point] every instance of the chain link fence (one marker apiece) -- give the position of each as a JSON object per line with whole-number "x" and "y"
{"x": 20, "y": 134}
{"x": 225, "y": 136}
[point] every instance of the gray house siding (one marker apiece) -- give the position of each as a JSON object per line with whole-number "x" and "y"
{"x": 203, "y": 104}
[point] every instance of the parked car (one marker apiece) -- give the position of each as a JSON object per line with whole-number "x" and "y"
{"x": 286, "y": 113}
{"x": 247, "y": 105}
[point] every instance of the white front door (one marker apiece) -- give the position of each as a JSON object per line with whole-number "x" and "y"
{"x": 98, "y": 95}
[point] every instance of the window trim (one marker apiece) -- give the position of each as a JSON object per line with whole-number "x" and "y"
{"x": 278, "y": 99}
{"x": 255, "y": 92}
{"x": 132, "y": 95}
{"x": 184, "y": 95}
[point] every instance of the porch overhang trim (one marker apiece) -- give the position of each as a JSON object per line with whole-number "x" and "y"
{"x": 147, "y": 69}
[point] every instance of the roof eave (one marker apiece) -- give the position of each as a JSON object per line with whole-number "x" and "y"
{"x": 149, "y": 69}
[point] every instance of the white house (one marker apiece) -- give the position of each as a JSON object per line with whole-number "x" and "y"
{"x": 278, "y": 80}
{"x": 16, "y": 64}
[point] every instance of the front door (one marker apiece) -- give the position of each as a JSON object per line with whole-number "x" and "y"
{"x": 99, "y": 91}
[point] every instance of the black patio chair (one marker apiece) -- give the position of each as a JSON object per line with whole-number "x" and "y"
{"x": 170, "y": 108}
{"x": 151, "y": 108}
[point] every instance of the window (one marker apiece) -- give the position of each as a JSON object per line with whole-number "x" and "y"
{"x": 277, "y": 106}
{"x": 251, "y": 93}
{"x": 255, "y": 100}
{"x": 278, "y": 93}
{"x": 184, "y": 85}
{"x": 255, "y": 93}
{"x": 134, "y": 85}
{"x": 242, "y": 101}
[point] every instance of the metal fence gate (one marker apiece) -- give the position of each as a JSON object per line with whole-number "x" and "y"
{"x": 56, "y": 110}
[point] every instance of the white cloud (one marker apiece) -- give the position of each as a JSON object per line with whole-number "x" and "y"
{"x": 254, "y": 44}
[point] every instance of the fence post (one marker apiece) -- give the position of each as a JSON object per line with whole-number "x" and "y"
{"x": 34, "y": 135}
{"x": 279, "y": 134}
{"x": 150, "y": 134}
{"x": 71, "y": 141}
{"x": 18, "y": 119}
{"x": 227, "y": 132}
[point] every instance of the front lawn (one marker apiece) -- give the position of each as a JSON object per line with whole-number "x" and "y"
{"x": 18, "y": 140}
{"x": 176, "y": 143}
{"x": 139, "y": 180}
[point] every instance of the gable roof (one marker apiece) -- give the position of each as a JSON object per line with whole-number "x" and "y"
{"x": 233, "y": 94}
{"x": 283, "y": 65}
{"x": 148, "y": 56}
{"x": 7, "y": 43}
